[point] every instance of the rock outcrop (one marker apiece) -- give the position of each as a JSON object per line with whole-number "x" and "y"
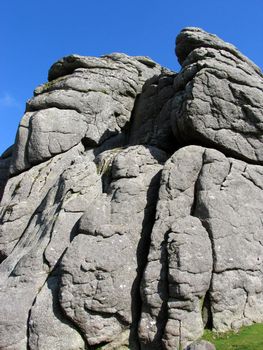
{"x": 131, "y": 211}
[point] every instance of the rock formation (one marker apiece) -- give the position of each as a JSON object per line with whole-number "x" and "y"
{"x": 131, "y": 211}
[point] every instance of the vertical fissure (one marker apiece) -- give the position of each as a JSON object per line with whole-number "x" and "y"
{"x": 206, "y": 312}
{"x": 164, "y": 286}
{"x": 142, "y": 253}
{"x": 206, "y": 308}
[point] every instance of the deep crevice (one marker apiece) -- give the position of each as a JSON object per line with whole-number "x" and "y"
{"x": 142, "y": 253}
{"x": 206, "y": 310}
{"x": 207, "y": 316}
{"x": 163, "y": 291}
{"x": 30, "y": 311}
{"x": 29, "y": 317}
{"x": 163, "y": 316}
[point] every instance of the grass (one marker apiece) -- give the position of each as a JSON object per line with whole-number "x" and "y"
{"x": 247, "y": 338}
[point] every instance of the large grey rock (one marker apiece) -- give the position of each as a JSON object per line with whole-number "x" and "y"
{"x": 54, "y": 131}
{"x": 101, "y": 269}
{"x": 191, "y": 38}
{"x": 25, "y": 194}
{"x": 91, "y": 99}
{"x": 179, "y": 267}
{"x": 69, "y": 64}
{"x": 219, "y": 97}
{"x": 229, "y": 203}
{"x": 202, "y": 187}
{"x": 36, "y": 236}
{"x": 131, "y": 211}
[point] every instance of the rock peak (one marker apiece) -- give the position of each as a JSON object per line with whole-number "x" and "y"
{"x": 191, "y": 38}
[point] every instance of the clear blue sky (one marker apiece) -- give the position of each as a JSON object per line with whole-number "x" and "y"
{"x": 35, "y": 33}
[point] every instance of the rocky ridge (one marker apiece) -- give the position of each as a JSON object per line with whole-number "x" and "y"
{"x": 131, "y": 211}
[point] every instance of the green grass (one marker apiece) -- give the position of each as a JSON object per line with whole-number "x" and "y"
{"x": 247, "y": 338}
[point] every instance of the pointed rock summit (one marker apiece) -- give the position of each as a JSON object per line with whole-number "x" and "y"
{"x": 132, "y": 203}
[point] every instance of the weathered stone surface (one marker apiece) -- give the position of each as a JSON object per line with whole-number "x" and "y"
{"x": 131, "y": 212}
{"x": 219, "y": 99}
{"x": 225, "y": 194}
{"x": 5, "y": 160}
{"x": 69, "y": 64}
{"x": 25, "y": 195}
{"x": 175, "y": 283}
{"x": 92, "y": 103}
{"x": 36, "y": 236}
{"x": 100, "y": 270}
{"x": 48, "y": 328}
{"x": 192, "y": 38}
{"x": 230, "y": 207}
{"x": 54, "y": 131}
{"x": 21, "y": 280}
{"x": 4, "y": 173}
{"x": 151, "y": 124}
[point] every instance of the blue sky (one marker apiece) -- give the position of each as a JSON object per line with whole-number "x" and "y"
{"x": 36, "y": 33}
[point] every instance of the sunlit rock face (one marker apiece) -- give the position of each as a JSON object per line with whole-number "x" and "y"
{"x": 131, "y": 211}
